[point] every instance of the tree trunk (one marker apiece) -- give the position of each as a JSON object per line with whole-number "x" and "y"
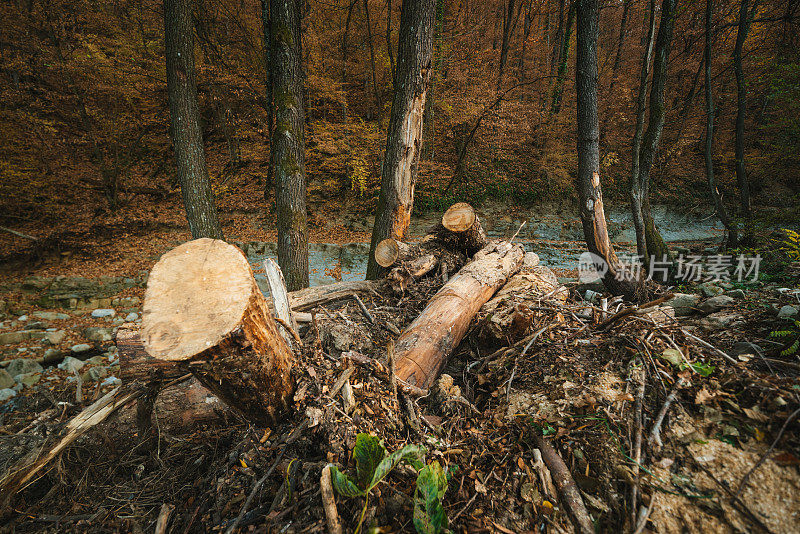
{"x": 288, "y": 143}
{"x": 718, "y": 204}
{"x": 623, "y": 31}
{"x": 237, "y": 351}
{"x": 422, "y": 349}
{"x": 745, "y": 16}
{"x": 404, "y": 138}
{"x": 555, "y": 58}
{"x": 371, "y": 55}
{"x": 637, "y": 195}
{"x": 506, "y": 40}
{"x": 460, "y": 229}
{"x": 187, "y": 136}
{"x": 390, "y": 251}
{"x": 656, "y": 247}
{"x": 588, "y": 181}
{"x": 558, "y": 90}
{"x": 526, "y": 32}
{"x": 344, "y": 39}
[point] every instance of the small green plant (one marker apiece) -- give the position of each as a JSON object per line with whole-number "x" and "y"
{"x": 429, "y": 514}
{"x": 790, "y": 244}
{"x": 791, "y": 337}
{"x": 373, "y": 464}
{"x": 359, "y": 176}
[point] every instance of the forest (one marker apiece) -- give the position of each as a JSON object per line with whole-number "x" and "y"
{"x": 400, "y": 266}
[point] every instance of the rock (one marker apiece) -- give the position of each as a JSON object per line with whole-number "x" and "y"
{"x": 101, "y": 313}
{"x": 81, "y": 347}
{"x": 721, "y": 320}
{"x": 95, "y": 360}
{"x": 735, "y": 293}
{"x": 684, "y": 304}
{"x": 50, "y": 316}
{"x": 131, "y": 317}
{"x": 97, "y": 334}
{"x": 348, "y": 337}
{"x": 36, "y": 282}
{"x": 55, "y": 338}
{"x": 95, "y": 374}
{"x": 6, "y": 394}
{"x": 71, "y": 364}
{"x": 126, "y": 302}
{"x": 50, "y": 355}
{"x": 6, "y": 380}
{"x": 22, "y": 366}
{"x": 111, "y": 381}
{"x": 744, "y": 347}
{"x": 36, "y": 325}
{"x": 9, "y": 338}
{"x": 710, "y": 290}
{"x": 787, "y": 312}
{"x": 22, "y": 318}
{"x": 531, "y": 259}
{"x": 591, "y": 296}
{"x": 28, "y": 379}
{"x": 715, "y": 304}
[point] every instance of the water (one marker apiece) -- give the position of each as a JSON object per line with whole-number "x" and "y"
{"x": 553, "y": 232}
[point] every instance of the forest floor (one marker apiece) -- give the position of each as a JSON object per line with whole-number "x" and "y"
{"x": 577, "y": 383}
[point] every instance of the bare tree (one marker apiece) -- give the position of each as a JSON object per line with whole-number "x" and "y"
{"x": 745, "y": 17}
{"x": 558, "y": 90}
{"x": 404, "y": 138}
{"x": 718, "y": 205}
{"x": 655, "y": 245}
{"x": 588, "y": 180}
{"x": 288, "y": 142}
{"x": 623, "y": 31}
{"x": 187, "y": 136}
{"x": 507, "y": 31}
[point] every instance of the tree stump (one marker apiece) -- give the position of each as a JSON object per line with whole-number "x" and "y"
{"x": 461, "y": 229}
{"x": 390, "y": 251}
{"x": 203, "y": 308}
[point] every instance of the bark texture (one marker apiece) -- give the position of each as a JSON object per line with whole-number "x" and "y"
{"x": 404, "y": 138}
{"x": 745, "y": 16}
{"x": 288, "y": 142}
{"x": 187, "y": 136}
{"x": 588, "y": 181}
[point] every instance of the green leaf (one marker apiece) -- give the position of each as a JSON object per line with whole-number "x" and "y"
{"x": 429, "y": 515}
{"x": 368, "y": 453}
{"x": 413, "y": 454}
{"x": 342, "y": 483}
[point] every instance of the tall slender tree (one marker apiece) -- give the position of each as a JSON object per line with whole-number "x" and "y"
{"x": 507, "y": 31}
{"x": 637, "y": 193}
{"x": 187, "y": 136}
{"x": 623, "y": 32}
{"x": 266, "y": 30}
{"x": 288, "y": 142}
{"x": 404, "y": 138}
{"x": 558, "y": 90}
{"x": 588, "y": 180}
{"x": 656, "y": 246}
{"x": 745, "y": 16}
{"x": 718, "y": 204}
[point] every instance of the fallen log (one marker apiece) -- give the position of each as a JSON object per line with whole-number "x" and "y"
{"x": 404, "y": 274}
{"x": 306, "y": 299}
{"x": 460, "y": 229}
{"x": 202, "y": 308}
{"x": 280, "y": 300}
{"x": 390, "y": 251}
{"x": 421, "y": 350}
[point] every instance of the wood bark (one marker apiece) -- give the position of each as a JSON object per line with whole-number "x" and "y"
{"x": 558, "y": 90}
{"x": 389, "y": 45}
{"x": 623, "y": 32}
{"x": 637, "y": 199}
{"x": 656, "y": 247}
{"x": 422, "y": 349}
{"x": 187, "y": 136}
{"x": 288, "y": 142}
{"x": 588, "y": 180}
{"x": 311, "y": 297}
{"x": 266, "y": 29}
{"x": 722, "y": 213}
{"x": 237, "y": 351}
{"x": 404, "y": 138}
{"x": 461, "y": 230}
{"x": 509, "y": 16}
{"x": 401, "y": 276}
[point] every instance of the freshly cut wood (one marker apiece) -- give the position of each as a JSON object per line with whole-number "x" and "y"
{"x": 461, "y": 229}
{"x": 401, "y": 276}
{"x": 203, "y": 308}
{"x": 390, "y": 251}
{"x": 135, "y": 363}
{"x": 421, "y": 350}
{"x": 306, "y": 299}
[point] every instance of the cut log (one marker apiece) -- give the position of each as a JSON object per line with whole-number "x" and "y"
{"x": 461, "y": 229}
{"x": 401, "y": 276}
{"x": 202, "y": 307}
{"x": 306, "y": 299}
{"x": 422, "y": 349}
{"x": 280, "y": 299}
{"x": 390, "y": 251}
{"x": 135, "y": 363}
